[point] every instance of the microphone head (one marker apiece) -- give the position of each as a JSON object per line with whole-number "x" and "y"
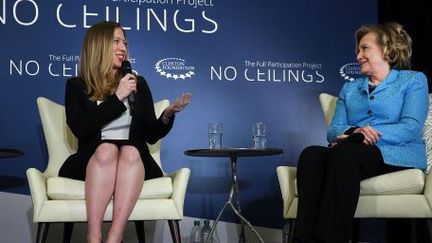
{"x": 126, "y": 67}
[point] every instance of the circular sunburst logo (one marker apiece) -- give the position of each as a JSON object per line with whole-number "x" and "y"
{"x": 174, "y": 68}
{"x": 350, "y": 71}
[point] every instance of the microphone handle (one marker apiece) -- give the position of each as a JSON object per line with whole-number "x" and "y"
{"x": 131, "y": 101}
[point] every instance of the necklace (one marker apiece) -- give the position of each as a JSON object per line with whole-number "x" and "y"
{"x": 373, "y": 84}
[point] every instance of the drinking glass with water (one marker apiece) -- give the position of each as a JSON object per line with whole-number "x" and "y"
{"x": 259, "y": 135}
{"x": 215, "y": 135}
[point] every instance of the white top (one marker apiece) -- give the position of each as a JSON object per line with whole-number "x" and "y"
{"x": 117, "y": 129}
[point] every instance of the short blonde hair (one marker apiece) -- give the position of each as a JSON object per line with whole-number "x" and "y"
{"x": 96, "y": 62}
{"x": 394, "y": 41}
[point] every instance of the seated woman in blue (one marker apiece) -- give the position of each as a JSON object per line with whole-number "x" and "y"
{"x": 385, "y": 111}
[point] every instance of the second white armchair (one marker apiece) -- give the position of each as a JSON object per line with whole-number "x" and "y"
{"x": 402, "y": 194}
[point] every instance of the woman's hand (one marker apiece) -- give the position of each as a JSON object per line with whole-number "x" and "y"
{"x": 371, "y": 135}
{"x": 338, "y": 139}
{"x": 126, "y": 85}
{"x": 341, "y": 137}
{"x": 180, "y": 103}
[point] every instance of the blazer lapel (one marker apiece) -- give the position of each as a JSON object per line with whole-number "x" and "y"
{"x": 389, "y": 79}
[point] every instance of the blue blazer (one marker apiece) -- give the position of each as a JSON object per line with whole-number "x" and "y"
{"x": 397, "y": 108}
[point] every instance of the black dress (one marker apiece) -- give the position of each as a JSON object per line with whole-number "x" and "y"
{"x": 85, "y": 118}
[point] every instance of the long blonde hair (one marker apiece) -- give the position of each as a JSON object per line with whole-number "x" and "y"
{"x": 96, "y": 62}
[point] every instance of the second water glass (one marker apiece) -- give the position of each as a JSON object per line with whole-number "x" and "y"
{"x": 259, "y": 135}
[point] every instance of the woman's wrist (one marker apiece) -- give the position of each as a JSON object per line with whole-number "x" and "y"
{"x": 167, "y": 115}
{"x": 166, "y": 118}
{"x": 119, "y": 97}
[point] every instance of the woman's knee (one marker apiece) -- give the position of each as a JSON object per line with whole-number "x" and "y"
{"x": 345, "y": 156}
{"x": 344, "y": 151}
{"x": 312, "y": 156}
{"x": 106, "y": 153}
{"x": 129, "y": 154}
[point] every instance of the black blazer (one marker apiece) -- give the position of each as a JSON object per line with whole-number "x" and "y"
{"x": 85, "y": 119}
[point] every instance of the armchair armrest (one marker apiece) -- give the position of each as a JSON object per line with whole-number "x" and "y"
{"x": 428, "y": 188}
{"x": 286, "y": 176}
{"x": 180, "y": 179}
{"x": 37, "y": 183}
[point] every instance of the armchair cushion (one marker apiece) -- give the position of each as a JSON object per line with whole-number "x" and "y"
{"x": 401, "y": 182}
{"x": 410, "y": 181}
{"x": 61, "y": 188}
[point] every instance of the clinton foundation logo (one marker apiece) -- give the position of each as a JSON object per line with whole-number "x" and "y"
{"x": 350, "y": 71}
{"x": 175, "y": 68}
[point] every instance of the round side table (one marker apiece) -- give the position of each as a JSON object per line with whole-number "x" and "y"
{"x": 233, "y": 200}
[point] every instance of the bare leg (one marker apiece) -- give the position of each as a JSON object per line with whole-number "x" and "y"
{"x": 130, "y": 179}
{"x": 99, "y": 187}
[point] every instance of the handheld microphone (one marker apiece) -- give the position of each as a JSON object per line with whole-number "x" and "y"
{"x": 353, "y": 138}
{"x": 125, "y": 69}
{"x": 356, "y": 138}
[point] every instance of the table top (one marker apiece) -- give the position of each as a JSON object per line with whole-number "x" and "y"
{"x": 10, "y": 153}
{"x": 233, "y": 152}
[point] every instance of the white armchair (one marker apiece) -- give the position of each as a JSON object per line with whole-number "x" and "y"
{"x": 59, "y": 199}
{"x": 402, "y": 194}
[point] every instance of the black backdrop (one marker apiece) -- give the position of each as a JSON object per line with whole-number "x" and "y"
{"x": 415, "y": 16}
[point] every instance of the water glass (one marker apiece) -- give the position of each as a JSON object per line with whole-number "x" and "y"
{"x": 215, "y": 135}
{"x": 259, "y": 135}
